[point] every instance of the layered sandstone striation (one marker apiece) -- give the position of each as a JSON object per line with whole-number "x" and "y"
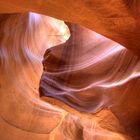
{"x": 88, "y": 86}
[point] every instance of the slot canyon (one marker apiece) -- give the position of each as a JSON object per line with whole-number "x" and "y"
{"x": 69, "y": 70}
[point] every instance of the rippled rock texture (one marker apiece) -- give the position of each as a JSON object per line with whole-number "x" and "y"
{"x": 63, "y": 81}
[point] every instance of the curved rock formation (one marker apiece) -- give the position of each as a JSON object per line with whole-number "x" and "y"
{"x": 90, "y": 84}
{"x": 93, "y": 73}
{"x": 115, "y": 19}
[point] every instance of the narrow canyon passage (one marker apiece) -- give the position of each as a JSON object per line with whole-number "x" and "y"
{"x": 61, "y": 80}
